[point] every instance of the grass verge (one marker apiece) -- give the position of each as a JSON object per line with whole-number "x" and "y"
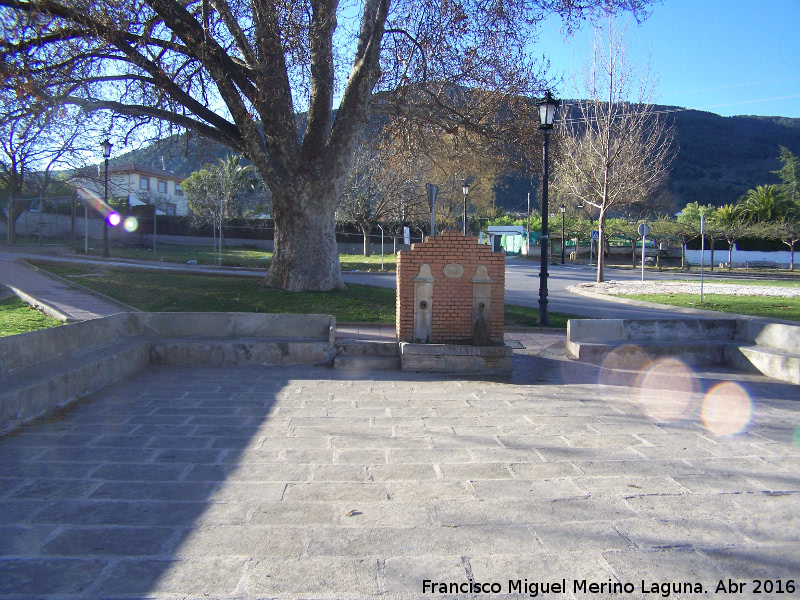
{"x": 774, "y": 307}
{"x": 17, "y": 317}
{"x": 161, "y": 292}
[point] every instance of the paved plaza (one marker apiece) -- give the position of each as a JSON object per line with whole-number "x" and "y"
{"x": 273, "y": 482}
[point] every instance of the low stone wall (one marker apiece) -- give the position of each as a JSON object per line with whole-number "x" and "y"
{"x": 455, "y": 358}
{"x": 772, "y": 349}
{"x": 781, "y": 258}
{"x": 46, "y": 369}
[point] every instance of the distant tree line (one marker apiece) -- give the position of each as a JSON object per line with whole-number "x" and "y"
{"x": 767, "y": 212}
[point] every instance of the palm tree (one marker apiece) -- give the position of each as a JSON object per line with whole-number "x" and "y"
{"x": 765, "y": 203}
{"x": 231, "y": 179}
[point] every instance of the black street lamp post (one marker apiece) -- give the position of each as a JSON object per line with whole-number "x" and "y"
{"x": 106, "y": 154}
{"x": 465, "y": 189}
{"x": 563, "y": 245}
{"x": 547, "y": 113}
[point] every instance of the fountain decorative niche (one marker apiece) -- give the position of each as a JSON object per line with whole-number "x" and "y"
{"x": 450, "y": 298}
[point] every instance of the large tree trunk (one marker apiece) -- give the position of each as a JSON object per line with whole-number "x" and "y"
{"x": 305, "y": 255}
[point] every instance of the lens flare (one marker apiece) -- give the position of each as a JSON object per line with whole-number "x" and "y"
{"x": 796, "y": 436}
{"x": 727, "y": 409}
{"x": 93, "y": 201}
{"x": 668, "y": 390}
{"x": 131, "y": 224}
{"x": 622, "y": 366}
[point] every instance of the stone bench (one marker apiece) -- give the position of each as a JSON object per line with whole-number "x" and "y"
{"x": 43, "y": 370}
{"x": 772, "y": 349}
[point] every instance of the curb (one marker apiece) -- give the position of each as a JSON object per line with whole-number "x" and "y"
{"x": 575, "y": 289}
{"x": 43, "y": 307}
{"x": 67, "y": 282}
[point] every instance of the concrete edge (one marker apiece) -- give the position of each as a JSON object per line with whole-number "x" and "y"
{"x": 126, "y": 307}
{"x": 575, "y": 289}
{"x": 42, "y": 306}
{"x": 771, "y": 355}
{"x": 37, "y": 400}
{"x": 54, "y": 387}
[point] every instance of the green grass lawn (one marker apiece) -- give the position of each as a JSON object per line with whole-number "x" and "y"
{"x": 160, "y": 292}
{"x": 787, "y": 309}
{"x": 17, "y": 317}
{"x": 238, "y": 257}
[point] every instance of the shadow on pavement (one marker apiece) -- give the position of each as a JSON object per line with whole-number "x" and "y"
{"x": 253, "y": 482}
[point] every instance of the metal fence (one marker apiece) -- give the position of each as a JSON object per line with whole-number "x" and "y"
{"x": 43, "y": 221}
{"x": 68, "y": 221}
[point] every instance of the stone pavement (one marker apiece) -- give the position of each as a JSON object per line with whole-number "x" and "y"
{"x": 57, "y": 298}
{"x": 318, "y": 483}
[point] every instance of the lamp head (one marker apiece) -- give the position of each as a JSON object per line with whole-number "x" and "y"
{"x": 106, "y": 148}
{"x": 547, "y": 111}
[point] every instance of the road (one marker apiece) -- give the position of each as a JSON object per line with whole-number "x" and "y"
{"x": 522, "y": 289}
{"x": 522, "y": 283}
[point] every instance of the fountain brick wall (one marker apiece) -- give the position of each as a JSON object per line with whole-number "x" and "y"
{"x": 454, "y": 262}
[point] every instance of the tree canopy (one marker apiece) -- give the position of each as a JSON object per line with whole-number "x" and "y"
{"x": 239, "y": 71}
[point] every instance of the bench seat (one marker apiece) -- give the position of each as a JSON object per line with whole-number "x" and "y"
{"x": 31, "y": 392}
{"x": 772, "y": 349}
{"x": 44, "y": 370}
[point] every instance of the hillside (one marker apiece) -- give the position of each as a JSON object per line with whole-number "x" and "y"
{"x": 718, "y": 160}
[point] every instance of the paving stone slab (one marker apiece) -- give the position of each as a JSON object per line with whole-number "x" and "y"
{"x": 533, "y": 477}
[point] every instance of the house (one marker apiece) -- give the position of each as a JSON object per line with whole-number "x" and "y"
{"x": 139, "y": 184}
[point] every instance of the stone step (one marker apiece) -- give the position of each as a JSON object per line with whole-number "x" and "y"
{"x": 368, "y": 348}
{"x": 367, "y": 363}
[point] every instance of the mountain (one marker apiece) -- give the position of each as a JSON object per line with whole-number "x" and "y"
{"x": 718, "y": 159}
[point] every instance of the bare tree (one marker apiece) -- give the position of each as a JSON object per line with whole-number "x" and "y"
{"x": 614, "y": 152}
{"x": 733, "y": 226}
{"x": 33, "y": 143}
{"x": 787, "y": 231}
{"x": 380, "y": 184}
{"x": 239, "y": 71}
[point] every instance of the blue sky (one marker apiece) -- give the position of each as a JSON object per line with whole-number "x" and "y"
{"x": 730, "y": 57}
